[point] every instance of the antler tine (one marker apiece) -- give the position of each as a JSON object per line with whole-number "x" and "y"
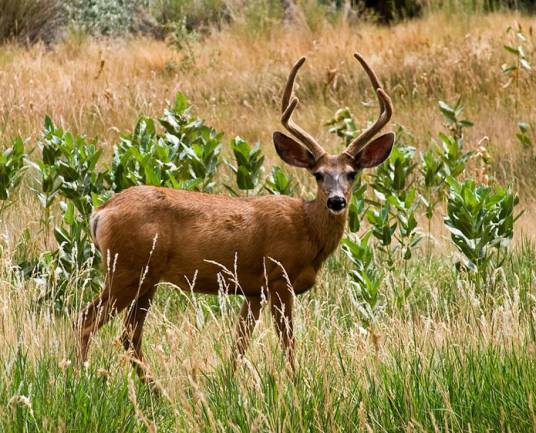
{"x": 290, "y": 83}
{"x": 386, "y": 111}
{"x": 287, "y": 108}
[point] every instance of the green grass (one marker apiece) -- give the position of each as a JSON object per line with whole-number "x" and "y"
{"x": 453, "y": 389}
{"x": 457, "y": 389}
{"x": 447, "y": 359}
{"x": 41, "y": 396}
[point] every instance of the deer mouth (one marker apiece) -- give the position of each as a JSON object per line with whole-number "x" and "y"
{"x": 336, "y": 212}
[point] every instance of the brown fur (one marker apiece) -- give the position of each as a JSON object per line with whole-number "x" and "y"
{"x": 199, "y": 234}
{"x": 271, "y": 245}
{"x": 268, "y": 246}
{"x": 148, "y": 234}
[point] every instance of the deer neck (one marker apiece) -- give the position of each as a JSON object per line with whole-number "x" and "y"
{"x": 325, "y": 229}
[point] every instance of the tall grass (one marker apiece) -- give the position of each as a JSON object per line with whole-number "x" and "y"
{"x": 29, "y": 21}
{"x": 451, "y": 360}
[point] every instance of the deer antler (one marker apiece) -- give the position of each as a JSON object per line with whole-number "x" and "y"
{"x": 386, "y": 110}
{"x": 287, "y": 108}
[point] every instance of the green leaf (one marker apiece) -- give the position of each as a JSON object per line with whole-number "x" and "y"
{"x": 513, "y": 50}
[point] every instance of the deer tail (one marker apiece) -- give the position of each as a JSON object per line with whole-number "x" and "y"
{"x": 93, "y": 223}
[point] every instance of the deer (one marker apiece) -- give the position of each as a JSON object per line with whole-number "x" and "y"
{"x": 276, "y": 244}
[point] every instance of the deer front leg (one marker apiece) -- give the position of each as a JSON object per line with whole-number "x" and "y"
{"x": 281, "y": 302}
{"x": 249, "y": 315}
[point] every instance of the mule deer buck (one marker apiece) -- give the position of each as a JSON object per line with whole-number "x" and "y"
{"x": 276, "y": 244}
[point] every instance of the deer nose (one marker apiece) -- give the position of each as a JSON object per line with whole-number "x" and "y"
{"x": 336, "y": 203}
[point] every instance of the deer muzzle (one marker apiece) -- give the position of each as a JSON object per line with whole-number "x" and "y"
{"x": 336, "y": 203}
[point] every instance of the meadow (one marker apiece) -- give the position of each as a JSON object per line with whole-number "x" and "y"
{"x": 426, "y": 327}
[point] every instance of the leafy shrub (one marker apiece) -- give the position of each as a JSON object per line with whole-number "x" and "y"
{"x": 144, "y": 158}
{"x": 394, "y": 176}
{"x": 279, "y": 182}
{"x": 397, "y": 206}
{"x": 11, "y": 169}
{"x": 356, "y": 208}
{"x": 343, "y": 125}
{"x": 524, "y": 137}
{"x": 68, "y": 167}
{"x": 406, "y": 208}
{"x": 186, "y": 155}
{"x": 408, "y": 235}
{"x": 383, "y": 226}
{"x": 446, "y": 157}
{"x": 433, "y": 178}
{"x": 73, "y": 262}
{"x": 201, "y": 144}
{"x": 433, "y": 185}
{"x": 29, "y": 21}
{"x": 519, "y": 50}
{"x": 481, "y": 221}
{"x": 452, "y": 116}
{"x": 394, "y": 217}
{"x": 248, "y": 166}
{"x": 453, "y": 155}
{"x": 365, "y": 278}
{"x": 103, "y": 17}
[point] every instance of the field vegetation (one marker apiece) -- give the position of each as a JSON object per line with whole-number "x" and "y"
{"x": 423, "y": 320}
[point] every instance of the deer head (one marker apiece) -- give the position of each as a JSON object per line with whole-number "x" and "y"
{"x": 334, "y": 174}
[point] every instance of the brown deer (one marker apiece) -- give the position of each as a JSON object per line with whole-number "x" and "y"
{"x": 275, "y": 245}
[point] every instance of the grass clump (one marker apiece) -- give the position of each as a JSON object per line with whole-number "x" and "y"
{"x": 29, "y": 21}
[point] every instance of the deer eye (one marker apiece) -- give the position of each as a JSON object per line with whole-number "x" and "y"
{"x": 318, "y": 176}
{"x": 352, "y": 175}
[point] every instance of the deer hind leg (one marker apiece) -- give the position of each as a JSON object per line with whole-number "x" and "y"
{"x": 119, "y": 291}
{"x": 133, "y": 330}
{"x": 249, "y": 315}
{"x": 281, "y": 302}
{"x": 94, "y": 316}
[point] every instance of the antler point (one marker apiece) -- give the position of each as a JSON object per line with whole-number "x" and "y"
{"x": 386, "y": 110}
{"x": 288, "y": 105}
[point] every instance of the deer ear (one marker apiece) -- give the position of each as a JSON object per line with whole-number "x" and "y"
{"x": 292, "y": 152}
{"x": 376, "y": 152}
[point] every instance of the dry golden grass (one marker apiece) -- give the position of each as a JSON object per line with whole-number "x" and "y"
{"x": 234, "y": 78}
